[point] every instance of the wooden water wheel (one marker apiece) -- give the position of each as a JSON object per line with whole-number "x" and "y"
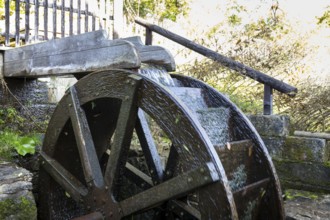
{"x": 214, "y": 169}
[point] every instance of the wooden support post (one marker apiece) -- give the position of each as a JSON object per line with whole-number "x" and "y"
{"x": 268, "y": 100}
{"x": 46, "y": 19}
{"x": 7, "y": 15}
{"x": 17, "y": 24}
{"x": 148, "y": 36}
{"x": 27, "y": 21}
{"x": 36, "y": 21}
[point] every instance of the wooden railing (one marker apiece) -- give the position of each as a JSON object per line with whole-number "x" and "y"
{"x": 50, "y": 19}
{"x": 269, "y": 82}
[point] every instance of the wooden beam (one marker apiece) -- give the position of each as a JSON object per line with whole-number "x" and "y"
{"x": 153, "y": 54}
{"x": 225, "y": 61}
{"x": 76, "y": 54}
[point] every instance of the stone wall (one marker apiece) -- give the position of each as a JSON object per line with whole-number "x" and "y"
{"x": 29, "y": 97}
{"x": 301, "y": 162}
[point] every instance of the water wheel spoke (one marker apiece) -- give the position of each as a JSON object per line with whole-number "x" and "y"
{"x": 123, "y": 135}
{"x": 183, "y": 210}
{"x": 172, "y": 162}
{"x": 87, "y": 152}
{"x": 63, "y": 177}
{"x": 149, "y": 148}
{"x": 174, "y": 188}
{"x": 138, "y": 177}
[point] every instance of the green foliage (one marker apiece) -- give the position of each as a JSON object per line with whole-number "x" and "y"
{"x": 12, "y": 142}
{"x": 21, "y": 208}
{"x": 310, "y": 110}
{"x": 11, "y": 116}
{"x": 167, "y": 9}
{"x": 270, "y": 45}
{"x": 325, "y": 18}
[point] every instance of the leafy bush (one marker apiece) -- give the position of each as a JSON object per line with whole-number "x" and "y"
{"x": 12, "y": 143}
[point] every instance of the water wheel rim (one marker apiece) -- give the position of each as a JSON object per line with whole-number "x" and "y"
{"x": 250, "y": 133}
{"x": 160, "y": 104}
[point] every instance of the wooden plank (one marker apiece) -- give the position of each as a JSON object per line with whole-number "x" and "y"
{"x": 27, "y": 21}
{"x": 46, "y": 19}
{"x": 79, "y": 17}
{"x": 76, "y": 54}
{"x": 86, "y": 15}
{"x": 71, "y": 17}
{"x": 153, "y": 54}
{"x": 63, "y": 18}
{"x": 54, "y": 19}
{"x": 36, "y": 21}
{"x": 17, "y": 24}
{"x": 7, "y": 15}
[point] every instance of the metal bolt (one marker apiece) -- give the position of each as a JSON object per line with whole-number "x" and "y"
{"x": 106, "y": 188}
{"x": 43, "y": 162}
{"x": 190, "y": 180}
{"x": 70, "y": 105}
{"x": 151, "y": 171}
{"x": 202, "y": 170}
{"x": 168, "y": 173}
{"x": 206, "y": 178}
{"x": 90, "y": 184}
{"x": 181, "y": 213}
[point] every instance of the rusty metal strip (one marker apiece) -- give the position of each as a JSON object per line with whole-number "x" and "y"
{"x": 173, "y": 188}
{"x": 84, "y": 139}
{"x": 63, "y": 177}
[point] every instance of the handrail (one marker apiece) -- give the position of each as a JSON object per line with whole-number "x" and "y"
{"x": 269, "y": 82}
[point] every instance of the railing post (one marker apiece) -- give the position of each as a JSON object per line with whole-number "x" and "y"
{"x": 268, "y": 100}
{"x": 148, "y": 36}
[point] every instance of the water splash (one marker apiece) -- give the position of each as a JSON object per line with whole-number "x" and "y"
{"x": 158, "y": 74}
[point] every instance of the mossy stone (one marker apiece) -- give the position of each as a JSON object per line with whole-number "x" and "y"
{"x": 19, "y": 209}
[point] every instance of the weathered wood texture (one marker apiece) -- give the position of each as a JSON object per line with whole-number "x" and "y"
{"x": 153, "y": 54}
{"x": 77, "y": 54}
{"x": 81, "y": 54}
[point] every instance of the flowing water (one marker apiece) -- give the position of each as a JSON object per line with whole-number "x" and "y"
{"x": 158, "y": 74}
